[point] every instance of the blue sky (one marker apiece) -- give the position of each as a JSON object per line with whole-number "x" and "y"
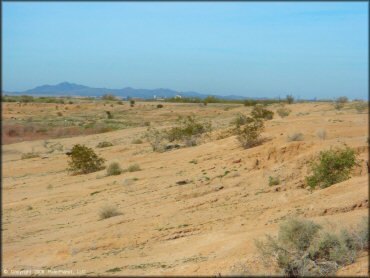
{"x": 308, "y": 49}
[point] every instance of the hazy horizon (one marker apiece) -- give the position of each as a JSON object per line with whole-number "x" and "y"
{"x": 248, "y": 49}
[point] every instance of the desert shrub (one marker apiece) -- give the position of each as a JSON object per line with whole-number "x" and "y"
{"x": 60, "y": 114}
{"x": 295, "y": 137}
{"x": 321, "y": 133}
{"x": 159, "y": 105}
{"x": 361, "y": 106}
{"x": 108, "y": 97}
{"x": 239, "y": 120}
{"x": 156, "y": 139}
{"x": 137, "y": 141}
{"x": 333, "y": 166}
{"x": 70, "y": 102}
{"x": 283, "y": 111}
{"x": 304, "y": 248}
{"x": 249, "y": 134}
{"x": 120, "y": 102}
{"x": 104, "y": 144}
{"x": 84, "y": 160}
{"x": 109, "y": 115}
{"x": 273, "y": 181}
{"x": 30, "y": 155}
{"x": 133, "y": 168}
{"x": 108, "y": 212}
{"x": 289, "y": 99}
{"x": 114, "y": 169}
{"x": 339, "y": 102}
{"x": 259, "y": 112}
{"x": 26, "y": 99}
{"x": 132, "y": 103}
{"x": 249, "y": 102}
{"x": 188, "y": 129}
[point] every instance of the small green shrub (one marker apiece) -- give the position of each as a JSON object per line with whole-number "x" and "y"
{"x": 108, "y": 212}
{"x": 108, "y": 97}
{"x": 120, "y": 102}
{"x": 104, "y": 144}
{"x": 259, "y": 112}
{"x": 289, "y": 99}
{"x": 132, "y": 102}
{"x": 187, "y": 129}
{"x": 295, "y": 137}
{"x": 333, "y": 166}
{"x": 114, "y": 169}
{"x": 283, "y": 111}
{"x": 134, "y": 168}
{"x": 274, "y": 181}
{"x": 249, "y": 134}
{"x": 159, "y": 105}
{"x": 84, "y": 160}
{"x": 60, "y": 114}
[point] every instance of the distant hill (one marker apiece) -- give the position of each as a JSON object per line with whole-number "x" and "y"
{"x": 71, "y": 89}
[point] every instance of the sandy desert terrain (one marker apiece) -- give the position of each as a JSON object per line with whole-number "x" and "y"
{"x": 206, "y": 225}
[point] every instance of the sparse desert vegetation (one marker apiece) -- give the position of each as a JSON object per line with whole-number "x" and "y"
{"x": 181, "y": 174}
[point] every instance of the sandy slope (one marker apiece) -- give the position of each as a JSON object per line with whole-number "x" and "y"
{"x": 206, "y": 226}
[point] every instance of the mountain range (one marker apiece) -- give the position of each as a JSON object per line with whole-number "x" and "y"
{"x": 71, "y": 89}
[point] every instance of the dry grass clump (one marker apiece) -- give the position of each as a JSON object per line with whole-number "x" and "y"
{"x": 321, "y": 133}
{"x": 133, "y": 168}
{"x": 104, "y": 144}
{"x": 340, "y": 102}
{"x": 114, "y": 169}
{"x": 283, "y": 111}
{"x": 304, "y": 248}
{"x": 295, "y": 137}
{"x": 360, "y": 106}
{"x": 30, "y": 155}
{"x": 137, "y": 141}
{"x": 108, "y": 212}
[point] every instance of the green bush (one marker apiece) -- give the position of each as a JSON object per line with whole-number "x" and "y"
{"x": 84, "y": 160}
{"x": 249, "y": 134}
{"x": 333, "y": 166}
{"x": 104, "y": 144}
{"x": 132, "y": 102}
{"x": 274, "y": 181}
{"x": 114, "y": 169}
{"x": 159, "y": 105}
{"x": 259, "y": 112}
{"x": 188, "y": 128}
